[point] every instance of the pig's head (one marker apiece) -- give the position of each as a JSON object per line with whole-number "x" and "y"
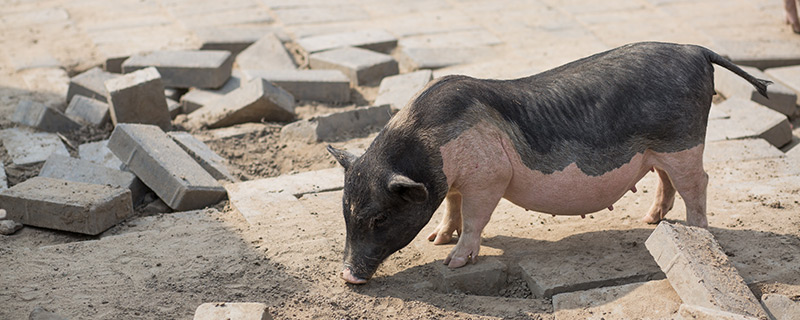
{"x": 383, "y": 211}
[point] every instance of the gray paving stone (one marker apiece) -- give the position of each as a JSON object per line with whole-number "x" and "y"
{"x": 699, "y": 270}
{"x": 208, "y": 69}
{"x": 780, "y": 306}
{"x": 79, "y": 170}
{"x": 643, "y": 300}
{"x": 297, "y": 184}
{"x": 788, "y": 76}
{"x": 138, "y": 97}
{"x": 688, "y": 311}
{"x": 87, "y": 110}
{"x": 67, "y": 205}
{"x": 313, "y": 85}
{"x": 740, "y": 150}
{"x": 434, "y": 58}
{"x": 197, "y": 98}
{"x": 360, "y": 65}
{"x": 164, "y": 167}
{"x": 268, "y": 53}
{"x": 236, "y": 39}
{"x": 26, "y": 147}
{"x": 90, "y": 84}
{"x": 232, "y": 310}
{"x": 207, "y": 158}
{"x": 37, "y": 115}
{"x": 99, "y": 153}
{"x": 485, "y": 278}
{"x": 3, "y": 178}
{"x": 397, "y": 91}
{"x": 258, "y": 207}
{"x": 372, "y": 39}
{"x": 254, "y": 101}
{"x": 749, "y": 120}
{"x": 338, "y": 125}
{"x": 781, "y": 98}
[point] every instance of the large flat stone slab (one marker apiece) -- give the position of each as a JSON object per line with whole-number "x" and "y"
{"x": 138, "y": 97}
{"x": 254, "y": 101}
{"x": 197, "y": 98}
{"x": 338, "y": 125}
{"x": 79, "y": 170}
{"x": 371, "y": 39}
{"x": 788, "y": 76}
{"x": 360, "y": 65}
{"x": 301, "y": 183}
{"x": 397, "y": 91}
{"x": 185, "y": 68}
{"x": 749, "y": 120}
{"x": 699, "y": 270}
{"x": 781, "y": 98}
{"x": 259, "y": 207}
{"x": 164, "y": 167}
{"x": 642, "y": 300}
{"x": 26, "y": 147}
{"x": 67, "y": 205}
{"x": 314, "y": 85}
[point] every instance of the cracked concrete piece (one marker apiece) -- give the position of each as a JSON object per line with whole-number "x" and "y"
{"x": 485, "y": 278}
{"x": 78, "y": 170}
{"x": 37, "y": 115}
{"x": 207, "y": 158}
{"x": 749, "y": 120}
{"x": 397, "y": 91}
{"x": 254, "y": 101}
{"x": 186, "y": 68}
{"x": 299, "y": 184}
{"x": 197, "y": 98}
{"x": 26, "y": 147}
{"x": 314, "y": 85}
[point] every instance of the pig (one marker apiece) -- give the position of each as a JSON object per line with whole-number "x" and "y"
{"x": 568, "y": 141}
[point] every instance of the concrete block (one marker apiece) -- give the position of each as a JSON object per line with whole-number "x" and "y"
{"x": 138, "y": 97}
{"x": 749, "y": 120}
{"x": 67, "y": 205}
{"x": 372, "y": 39}
{"x": 50, "y": 85}
{"x": 90, "y": 84}
{"x": 268, "y": 53}
{"x": 207, "y": 158}
{"x": 314, "y": 85}
{"x": 781, "y": 98}
{"x": 9, "y": 227}
{"x": 37, "y": 115}
{"x": 337, "y": 125}
{"x": 688, "y": 311}
{"x": 99, "y": 153}
{"x": 699, "y": 270}
{"x": 164, "y": 167}
{"x": 197, "y": 98}
{"x": 186, "y": 69}
{"x": 87, "y": 110}
{"x": 740, "y": 150}
{"x": 360, "y": 65}
{"x": 788, "y": 76}
{"x": 235, "y": 39}
{"x": 781, "y": 307}
{"x": 78, "y": 170}
{"x": 174, "y": 108}
{"x": 642, "y": 300}
{"x": 256, "y": 100}
{"x": 297, "y": 184}
{"x": 26, "y": 147}
{"x": 397, "y": 91}
{"x": 485, "y": 278}
{"x": 3, "y": 178}
{"x": 232, "y": 311}
{"x": 325, "y": 13}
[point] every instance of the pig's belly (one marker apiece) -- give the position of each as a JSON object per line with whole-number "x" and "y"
{"x": 572, "y": 192}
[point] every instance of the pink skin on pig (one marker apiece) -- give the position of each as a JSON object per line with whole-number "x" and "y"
{"x": 482, "y": 166}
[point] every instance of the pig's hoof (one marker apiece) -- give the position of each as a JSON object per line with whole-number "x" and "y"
{"x": 440, "y": 237}
{"x": 651, "y": 219}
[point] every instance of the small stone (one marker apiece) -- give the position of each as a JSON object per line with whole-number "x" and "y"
{"x": 9, "y": 227}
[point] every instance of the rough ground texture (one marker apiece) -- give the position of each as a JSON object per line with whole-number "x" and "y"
{"x": 164, "y": 265}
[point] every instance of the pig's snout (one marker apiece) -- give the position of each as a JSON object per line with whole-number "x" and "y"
{"x": 348, "y": 276}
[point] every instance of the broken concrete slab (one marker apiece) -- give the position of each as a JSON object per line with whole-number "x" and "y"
{"x": 138, "y": 97}
{"x": 781, "y": 98}
{"x": 688, "y": 311}
{"x": 207, "y": 158}
{"x": 207, "y": 69}
{"x": 642, "y": 300}
{"x": 360, "y": 65}
{"x": 233, "y": 311}
{"x": 26, "y": 147}
{"x": 781, "y": 307}
{"x": 90, "y": 84}
{"x": 164, "y": 167}
{"x": 67, "y": 205}
{"x": 314, "y": 85}
{"x": 78, "y": 170}
{"x": 749, "y": 120}
{"x": 258, "y": 207}
{"x": 699, "y": 270}
{"x": 268, "y": 53}
{"x": 337, "y": 125}
{"x": 397, "y": 91}
{"x": 256, "y": 100}
{"x": 299, "y": 184}
{"x": 484, "y": 278}
{"x": 740, "y": 150}
{"x": 236, "y": 38}
{"x": 197, "y": 98}
{"x": 37, "y": 115}
{"x": 371, "y": 39}
{"x": 98, "y": 153}
{"x": 788, "y": 76}
{"x": 87, "y": 110}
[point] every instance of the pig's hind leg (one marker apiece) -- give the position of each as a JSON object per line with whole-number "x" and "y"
{"x": 665, "y": 198}
{"x": 451, "y": 222}
{"x": 685, "y": 170}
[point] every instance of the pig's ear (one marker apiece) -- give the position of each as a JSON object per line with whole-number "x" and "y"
{"x": 343, "y": 157}
{"x": 408, "y": 189}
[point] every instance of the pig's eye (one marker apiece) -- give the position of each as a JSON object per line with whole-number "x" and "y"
{"x": 379, "y": 220}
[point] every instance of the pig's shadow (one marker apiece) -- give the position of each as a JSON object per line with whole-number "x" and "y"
{"x": 759, "y": 257}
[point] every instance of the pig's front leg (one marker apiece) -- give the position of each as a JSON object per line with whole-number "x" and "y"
{"x": 451, "y": 221}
